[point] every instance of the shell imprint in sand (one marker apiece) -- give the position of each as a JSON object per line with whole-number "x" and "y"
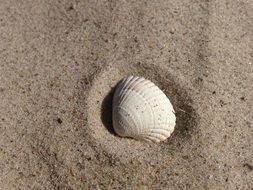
{"x": 142, "y": 111}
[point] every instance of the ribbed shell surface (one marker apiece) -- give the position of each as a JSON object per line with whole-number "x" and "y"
{"x": 142, "y": 111}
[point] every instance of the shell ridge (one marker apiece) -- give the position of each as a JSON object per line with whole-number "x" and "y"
{"x": 148, "y": 105}
{"x": 157, "y": 135}
{"x": 164, "y": 134}
{"x": 134, "y": 119}
{"x": 129, "y": 89}
{"x": 125, "y": 84}
{"x": 156, "y": 130}
{"x": 152, "y": 139}
{"x": 146, "y": 112}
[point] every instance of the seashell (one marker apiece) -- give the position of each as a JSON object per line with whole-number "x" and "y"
{"x": 142, "y": 111}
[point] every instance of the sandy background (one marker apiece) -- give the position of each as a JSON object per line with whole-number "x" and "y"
{"x": 59, "y": 62}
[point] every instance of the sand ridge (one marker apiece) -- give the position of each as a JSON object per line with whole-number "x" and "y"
{"x": 99, "y": 106}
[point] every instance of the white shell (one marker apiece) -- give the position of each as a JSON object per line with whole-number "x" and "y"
{"x": 142, "y": 111}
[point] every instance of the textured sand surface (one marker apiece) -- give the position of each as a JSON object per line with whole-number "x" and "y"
{"x": 60, "y": 62}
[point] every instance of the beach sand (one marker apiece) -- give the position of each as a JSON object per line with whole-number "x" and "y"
{"x": 60, "y": 62}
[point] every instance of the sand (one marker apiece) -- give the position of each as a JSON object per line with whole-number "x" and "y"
{"x": 60, "y": 62}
